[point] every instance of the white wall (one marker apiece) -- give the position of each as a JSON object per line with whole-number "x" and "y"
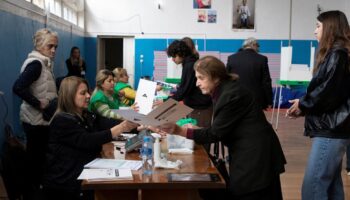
{"x": 177, "y": 18}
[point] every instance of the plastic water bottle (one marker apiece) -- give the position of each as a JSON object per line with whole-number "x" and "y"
{"x": 147, "y": 155}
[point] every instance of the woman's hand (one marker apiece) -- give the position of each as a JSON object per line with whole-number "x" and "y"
{"x": 44, "y": 103}
{"x": 125, "y": 126}
{"x": 172, "y": 128}
{"x": 294, "y": 111}
{"x": 156, "y": 103}
{"x": 135, "y": 107}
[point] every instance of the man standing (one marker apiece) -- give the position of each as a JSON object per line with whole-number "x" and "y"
{"x": 253, "y": 71}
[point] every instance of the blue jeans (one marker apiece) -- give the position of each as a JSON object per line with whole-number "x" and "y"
{"x": 322, "y": 179}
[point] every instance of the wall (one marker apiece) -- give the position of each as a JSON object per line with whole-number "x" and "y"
{"x": 19, "y": 20}
{"x": 153, "y": 28}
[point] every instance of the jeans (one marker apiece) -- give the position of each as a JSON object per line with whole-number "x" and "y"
{"x": 322, "y": 179}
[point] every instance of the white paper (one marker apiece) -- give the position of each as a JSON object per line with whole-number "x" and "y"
{"x": 105, "y": 174}
{"x": 286, "y": 62}
{"x": 114, "y": 164}
{"x": 145, "y": 95}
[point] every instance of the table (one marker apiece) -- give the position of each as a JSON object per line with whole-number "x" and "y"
{"x": 157, "y": 186}
{"x": 282, "y": 83}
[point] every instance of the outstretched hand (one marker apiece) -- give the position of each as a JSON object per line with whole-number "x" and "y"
{"x": 294, "y": 111}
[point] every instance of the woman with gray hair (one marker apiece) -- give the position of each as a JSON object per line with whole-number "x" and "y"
{"x": 36, "y": 87}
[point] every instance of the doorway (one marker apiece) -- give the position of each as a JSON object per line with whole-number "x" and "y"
{"x": 116, "y": 51}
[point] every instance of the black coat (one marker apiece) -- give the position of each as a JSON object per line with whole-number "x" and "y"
{"x": 326, "y": 104}
{"x": 253, "y": 71}
{"x": 256, "y": 156}
{"x": 75, "y": 69}
{"x": 187, "y": 90}
{"x": 73, "y": 142}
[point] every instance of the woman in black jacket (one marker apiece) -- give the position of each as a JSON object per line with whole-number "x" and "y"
{"x": 326, "y": 107}
{"x": 76, "y": 138}
{"x": 75, "y": 63}
{"x": 255, "y": 156}
{"x": 187, "y": 91}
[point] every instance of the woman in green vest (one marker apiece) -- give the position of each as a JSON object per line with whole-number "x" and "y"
{"x": 104, "y": 99}
{"x": 127, "y": 94}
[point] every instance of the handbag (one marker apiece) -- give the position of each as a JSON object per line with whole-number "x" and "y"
{"x": 220, "y": 163}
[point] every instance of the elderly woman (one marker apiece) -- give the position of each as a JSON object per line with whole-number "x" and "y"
{"x": 36, "y": 87}
{"x": 255, "y": 155}
{"x": 76, "y": 138}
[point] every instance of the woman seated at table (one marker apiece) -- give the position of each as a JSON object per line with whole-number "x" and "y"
{"x": 76, "y": 138}
{"x": 126, "y": 93}
{"x": 256, "y": 158}
{"x": 104, "y": 99}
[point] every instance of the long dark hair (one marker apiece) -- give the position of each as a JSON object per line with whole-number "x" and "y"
{"x": 335, "y": 32}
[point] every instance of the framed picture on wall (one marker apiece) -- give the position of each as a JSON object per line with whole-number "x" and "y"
{"x": 243, "y": 15}
{"x": 202, "y": 4}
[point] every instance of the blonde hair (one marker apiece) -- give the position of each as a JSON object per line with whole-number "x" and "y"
{"x": 119, "y": 73}
{"x": 66, "y": 94}
{"x": 42, "y": 36}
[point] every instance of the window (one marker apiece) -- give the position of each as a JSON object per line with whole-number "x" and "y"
{"x": 40, "y": 3}
{"x": 72, "y": 11}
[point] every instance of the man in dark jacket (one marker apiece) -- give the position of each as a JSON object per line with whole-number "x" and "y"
{"x": 253, "y": 71}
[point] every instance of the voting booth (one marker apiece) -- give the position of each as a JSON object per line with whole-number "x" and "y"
{"x": 291, "y": 75}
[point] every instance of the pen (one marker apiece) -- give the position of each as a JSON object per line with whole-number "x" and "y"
{"x": 116, "y": 172}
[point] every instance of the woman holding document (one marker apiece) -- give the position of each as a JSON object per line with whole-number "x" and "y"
{"x": 255, "y": 155}
{"x": 76, "y": 138}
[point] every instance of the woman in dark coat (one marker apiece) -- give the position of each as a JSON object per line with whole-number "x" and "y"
{"x": 326, "y": 107}
{"x": 255, "y": 155}
{"x": 76, "y": 138}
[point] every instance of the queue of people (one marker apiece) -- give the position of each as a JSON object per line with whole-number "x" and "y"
{"x": 60, "y": 143}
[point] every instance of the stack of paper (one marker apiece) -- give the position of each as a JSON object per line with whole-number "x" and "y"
{"x": 100, "y": 163}
{"x": 106, "y": 174}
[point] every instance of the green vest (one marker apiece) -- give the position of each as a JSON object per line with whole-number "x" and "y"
{"x": 124, "y": 101}
{"x": 99, "y": 96}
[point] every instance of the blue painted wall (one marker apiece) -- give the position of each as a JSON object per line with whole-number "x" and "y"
{"x": 16, "y": 42}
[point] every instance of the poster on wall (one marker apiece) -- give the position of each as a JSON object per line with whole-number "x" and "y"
{"x": 202, "y": 16}
{"x": 243, "y": 15}
{"x": 211, "y": 16}
{"x": 202, "y": 4}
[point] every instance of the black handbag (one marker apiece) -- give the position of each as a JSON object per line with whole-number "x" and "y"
{"x": 220, "y": 163}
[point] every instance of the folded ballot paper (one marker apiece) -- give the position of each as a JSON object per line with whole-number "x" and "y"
{"x": 169, "y": 111}
{"x": 105, "y": 174}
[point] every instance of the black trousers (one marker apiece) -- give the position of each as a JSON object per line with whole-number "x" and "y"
{"x": 37, "y": 141}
